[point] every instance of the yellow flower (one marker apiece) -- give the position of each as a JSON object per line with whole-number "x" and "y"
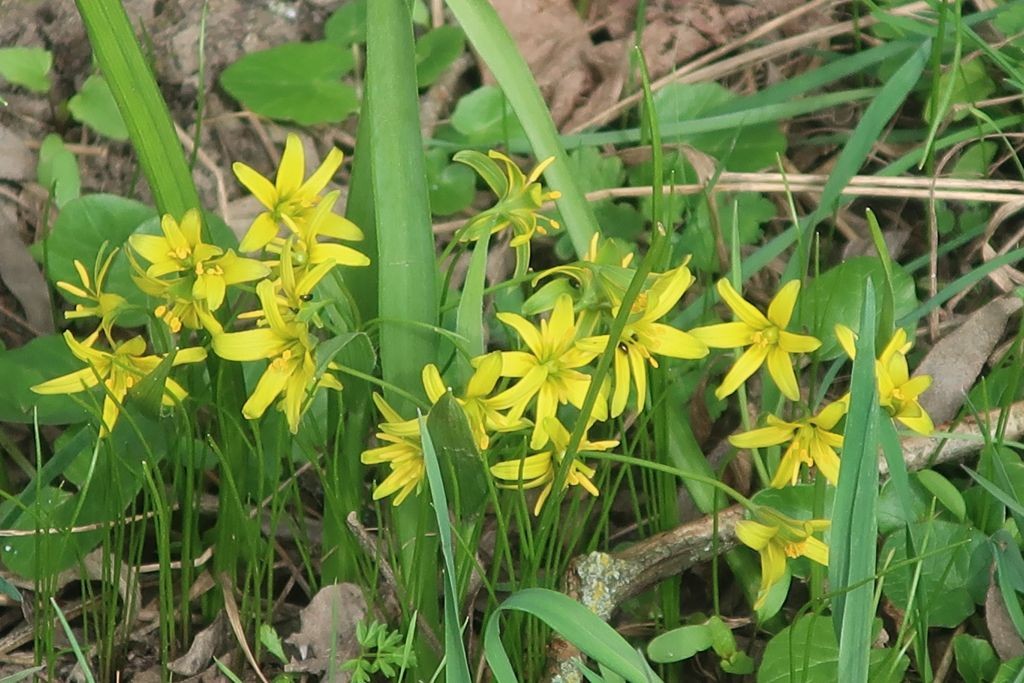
{"x": 643, "y": 336}
{"x": 202, "y": 271}
{"x": 119, "y": 370}
{"x": 290, "y": 196}
{"x": 779, "y": 538}
{"x": 547, "y": 369}
{"x": 811, "y": 443}
{"x": 540, "y": 469}
{"x": 307, "y": 250}
{"x": 292, "y": 370}
{"x": 765, "y": 335}
{"x": 102, "y": 305}
{"x": 403, "y": 454}
{"x": 520, "y": 198}
{"x": 479, "y": 408}
{"x": 898, "y": 392}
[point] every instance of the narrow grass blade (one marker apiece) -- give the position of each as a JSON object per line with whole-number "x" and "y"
{"x": 80, "y": 657}
{"x": 869, "y": 129}
{"x": 143, "y": 108}
{"x": 853, "y": 536}
{"x": 456, "y": 664}
{"x": 576, "y": 624}
{"x": 491, "y": 40}
{"x": 887, "y": 314}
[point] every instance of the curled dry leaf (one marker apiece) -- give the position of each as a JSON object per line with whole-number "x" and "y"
{"x": 207, "y": 644}
{"x": 329, "y": 629}
{"x": 957, "y": 360}
{"x": 1001, "y": 630}
{"x": 21, "y": 274}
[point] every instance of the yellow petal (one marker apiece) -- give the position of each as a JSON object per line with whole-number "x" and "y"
{"x": 432, "y": 383}
{"x": 562, "y": 324}
{"x": 321, "y": 252}
{"x": 922, "y": 424}
{"x": 667, "y": 291}
{"x": 323, "y": 174}
{"x": 260, "y": 233}
{"x": 340, "y": 228}
{"x": 826, "y": 460}
{"x": 488, "y": 370}
{"x": 71, "y": 383}
{"x": 237, "y": 269}
{"x": 533, "y": 469}
{"x": 764, "y": 436}
{"x": 527, "y": 332}
{"x": 754, "y": 534}
{"x": 746, "y": 366}
{"x": 621, "y": 392}
{"x": 788, "y": 471}
{"x": 780, "y": 310}
{"x": 666, "y": 340}
{"x": 191, "y": 227}
{"x": 638, "y": 367}
{"x": 270, "y": 385}
{"x": 797, "y": 343}
{"x": 780, "y": 367}
{"x": 831, "y": 414}
{"x": 249, "y": 345}
{"x": 260, "y": 187}
{"x": 292, "y": 168}
{"x": 743, "y": 310}
{"x": 815, "y": 550}
{"x": 847, "y": 339}
{"x": 724, "y": 335}
{"x": 153, "y": 248}
{"x": 193, "y": 354}
{"x": 915, "y": 387}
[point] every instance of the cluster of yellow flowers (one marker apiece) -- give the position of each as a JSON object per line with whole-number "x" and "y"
{"x": 190, "y": 278}
{"x": 549, "y": 370}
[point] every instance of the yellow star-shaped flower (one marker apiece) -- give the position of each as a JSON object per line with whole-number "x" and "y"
{"x": 403, "y": 452}
{"x": 765, "y": 335}
{"x": 778, "y": 538}
{"x": 811, "y": 443}
{"x": 540, "y": 469}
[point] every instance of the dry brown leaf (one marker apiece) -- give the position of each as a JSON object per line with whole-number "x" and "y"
{"x": 1001, "y": 630}
{"x": 205, "y": 646}
{"x": 16, "y": 160}
{"x": 554, "y": 41}
{"x": 329, "y": 630}
{"x": 21, "y": 274}
{"x": 957, "y": 360}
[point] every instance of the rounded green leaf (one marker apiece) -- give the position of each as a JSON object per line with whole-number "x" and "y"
{"x": 94, "y": 106}
{"x": 836, "y": 296}
{"x": 295, "y": 82}
{"x": 58, "y": 170}
{"x": 944, "y": 491}
{"x": 41, "y": 359}
{"x": 679, "y": 644}
{"x": 485, "y": 118}
{"x": 28, "y": 67}
{"x": 436, "y": 51}
{"x": 348, "y": 24}
{"x": 452, "y": 186}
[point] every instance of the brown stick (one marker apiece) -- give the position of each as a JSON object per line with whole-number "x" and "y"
{"x": 603, "y": 581}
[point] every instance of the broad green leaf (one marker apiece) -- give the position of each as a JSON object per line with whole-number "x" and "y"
{"x": 348, "y": 24}
{"x": 82, "y": 228}
{"x": 749, "y": 211}
{"x": 435, "y": 52}
{"x": 679, "y": 644}
{"x": 298, "y": 82}
{"x": 462, "y": 467}
{"x": 950, "y": 583}
{"x": 28, "y": 67}
{"x": 976, "y": 660}
{"x": 1010, "y": 672}
{"x": 944, "y": 491}
{"x": 892, "y": 511}
{"x": 970, "y": 82}
{"x": 807, "y": 651}
{"x": 836, "y": 296}
{"x": 41, "y": 359}
{"x": 742, "y": 148}
{"x": 452, "y": 186}
{"x": 484, "y": 117}
{"x": 58, "y": 170}
{"x": 94, "y": 106}
{"x": 975, "y": 159}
